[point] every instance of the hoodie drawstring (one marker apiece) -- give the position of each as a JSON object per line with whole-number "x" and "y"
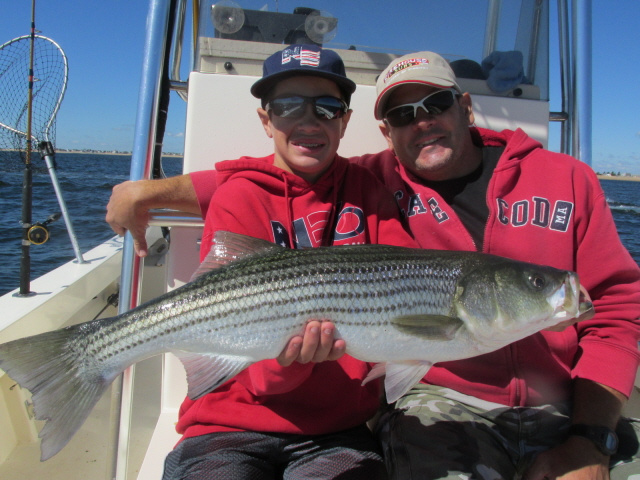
{"x": 328, "y": 234}
{"x": 288, "y": 200}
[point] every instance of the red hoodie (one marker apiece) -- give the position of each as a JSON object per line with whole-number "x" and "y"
{"x": 546, "y": 208}
{"x": 255, "y": 198}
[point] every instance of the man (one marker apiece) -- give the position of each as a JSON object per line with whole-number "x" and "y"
{"x": 544, "y": 407}
{"x": 466, "y": 188}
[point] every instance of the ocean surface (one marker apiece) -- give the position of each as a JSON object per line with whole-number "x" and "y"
{"x": 86, "y": 181}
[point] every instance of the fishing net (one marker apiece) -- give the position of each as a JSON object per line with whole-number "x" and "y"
{"x": 50, "y": 72}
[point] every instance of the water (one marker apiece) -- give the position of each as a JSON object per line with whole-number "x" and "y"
{"x": 624, "y": 199}
{"x": 86, "y": 181}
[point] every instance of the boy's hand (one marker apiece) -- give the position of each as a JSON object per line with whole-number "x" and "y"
{"x": 316, "y": 345}
{"x": 125, "y": 211}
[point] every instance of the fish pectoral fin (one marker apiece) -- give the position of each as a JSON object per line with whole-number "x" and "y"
{"x": 400, "y": 377}
{"x": 206, "y": 372}
{"x": 378, "y": 370}
{"x": 434, "y": 327}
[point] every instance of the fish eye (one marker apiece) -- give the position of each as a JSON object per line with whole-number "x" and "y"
{"x": 537, "y": 281}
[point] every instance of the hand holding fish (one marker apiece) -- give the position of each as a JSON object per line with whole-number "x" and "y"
{"x": 317, "y": 344}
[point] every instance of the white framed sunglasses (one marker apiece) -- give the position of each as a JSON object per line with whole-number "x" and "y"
{"x": 433, "y": 104}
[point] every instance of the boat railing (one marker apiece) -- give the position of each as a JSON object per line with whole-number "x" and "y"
{"x": 575, "y": 78}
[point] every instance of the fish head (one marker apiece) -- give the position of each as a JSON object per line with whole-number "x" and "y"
{"x": 504, "y": 300}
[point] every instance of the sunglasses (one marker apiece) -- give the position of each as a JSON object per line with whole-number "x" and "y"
{"x": 433, "y": 104}
{"x": 325, "y": 107}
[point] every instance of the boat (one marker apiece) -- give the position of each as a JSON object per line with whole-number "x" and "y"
{"x": 131, "y": 430}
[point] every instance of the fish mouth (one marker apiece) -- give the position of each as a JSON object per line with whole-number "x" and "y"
{"x": 585, "y": 308}
{"x": 576, "y": 304}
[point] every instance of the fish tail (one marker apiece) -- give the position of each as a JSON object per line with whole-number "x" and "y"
{"x": 63, "y": 386}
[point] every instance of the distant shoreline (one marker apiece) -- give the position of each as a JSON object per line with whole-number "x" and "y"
{"x": 89, "y": 152}
{"x": 625, "y": 178}
{"x": 97, "y": 152}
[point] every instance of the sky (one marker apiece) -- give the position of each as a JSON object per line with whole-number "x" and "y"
{"x": 103, "y": 41}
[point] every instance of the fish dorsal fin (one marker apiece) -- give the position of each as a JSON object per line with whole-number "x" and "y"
{"x": 229, "y": 247}
{"x": 206, "y": 372}
{"x": 399, "y": 377}
{"x": 433, "y": 327}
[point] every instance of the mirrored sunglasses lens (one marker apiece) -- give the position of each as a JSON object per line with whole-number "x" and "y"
{"x": 287, "y": 107}
{"x": 329, "y": 107}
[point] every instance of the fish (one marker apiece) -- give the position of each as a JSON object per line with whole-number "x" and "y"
{"x": 403, "y": 309}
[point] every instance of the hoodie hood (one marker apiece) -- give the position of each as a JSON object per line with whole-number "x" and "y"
{"x": 275, "y": 180}
{"x": 278, "y": 183}
{"x": 518, "y": 144}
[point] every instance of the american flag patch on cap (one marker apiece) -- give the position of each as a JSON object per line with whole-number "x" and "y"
{"x": 305, "y": 57}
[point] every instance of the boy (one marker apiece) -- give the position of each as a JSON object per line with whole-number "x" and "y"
{"x": 305, "y": 420}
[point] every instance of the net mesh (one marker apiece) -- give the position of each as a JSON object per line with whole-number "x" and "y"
{"x": 49, "y": 84}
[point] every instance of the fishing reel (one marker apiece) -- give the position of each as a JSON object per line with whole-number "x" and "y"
{"x": 38, "y": 233}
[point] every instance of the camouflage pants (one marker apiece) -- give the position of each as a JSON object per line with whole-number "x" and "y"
{"x": 436, "y": 433}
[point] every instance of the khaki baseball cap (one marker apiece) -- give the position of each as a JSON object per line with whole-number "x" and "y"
{"x": 425, "y": 68}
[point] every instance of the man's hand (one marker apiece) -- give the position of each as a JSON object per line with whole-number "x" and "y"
{"x": 126, "y": 210}
{"x": 316, "y": 345}
{"x": 578, "y": 458}
{"x": 575, "y": 459}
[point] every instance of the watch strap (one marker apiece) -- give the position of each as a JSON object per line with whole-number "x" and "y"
{"x": 604, "y": 438}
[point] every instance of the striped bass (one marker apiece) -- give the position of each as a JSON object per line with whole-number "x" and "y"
{"x": 404, "y": 309}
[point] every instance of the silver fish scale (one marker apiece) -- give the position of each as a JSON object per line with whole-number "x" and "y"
{"x": 266, "y": 299}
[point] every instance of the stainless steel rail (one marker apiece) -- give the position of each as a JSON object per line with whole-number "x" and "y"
{"x": 582, "y": 39}
{"x": 565, "y": 76}
{"x": 575, "y": 81}
{"x": 141, "y": 160}
{"x": 174, "y": 218}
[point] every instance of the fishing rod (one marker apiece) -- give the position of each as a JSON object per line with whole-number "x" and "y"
{"x": 31, "y": 126}
{"x": 27, "y": 180}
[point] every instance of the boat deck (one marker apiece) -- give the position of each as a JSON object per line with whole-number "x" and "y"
{"x": 87, "y": 454}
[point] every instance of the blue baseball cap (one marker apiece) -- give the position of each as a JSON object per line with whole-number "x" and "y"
{"x": 303, "y": 60}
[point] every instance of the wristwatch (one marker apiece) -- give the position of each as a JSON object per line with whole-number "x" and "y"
{"x": 603, "y": 438}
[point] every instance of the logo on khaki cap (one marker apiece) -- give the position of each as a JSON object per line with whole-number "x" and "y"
{"x": 398, "y": 67}
{"x": 425, "y": 68}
